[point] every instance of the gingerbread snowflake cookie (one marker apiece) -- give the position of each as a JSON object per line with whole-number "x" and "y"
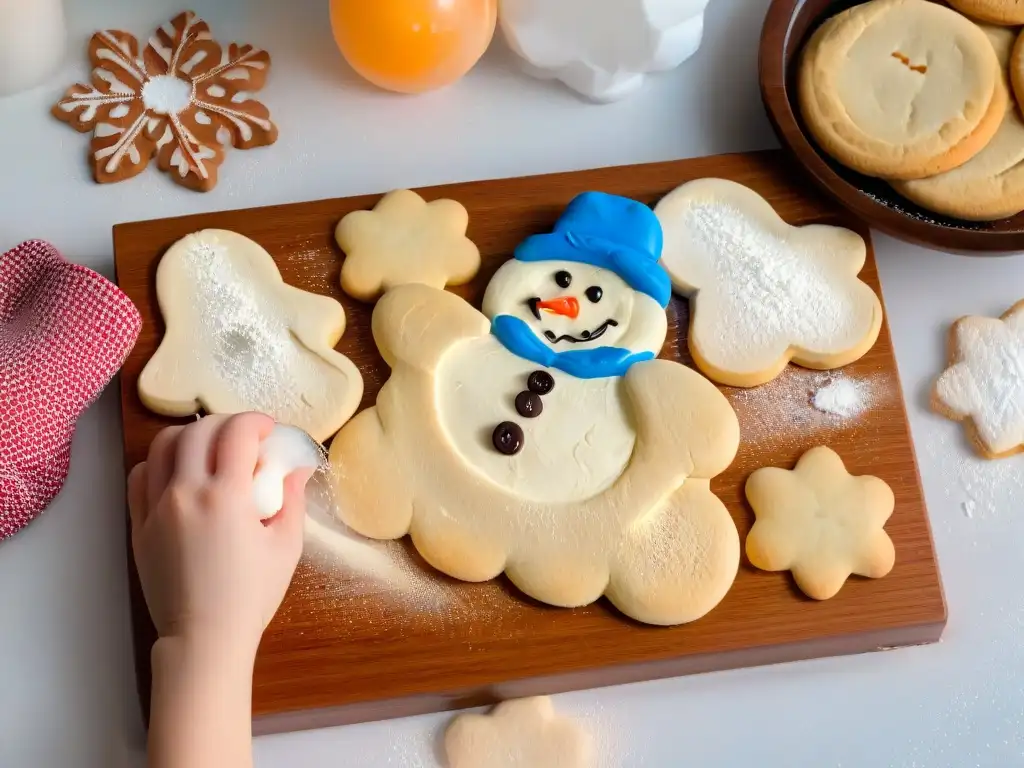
{"x": 523, "y": 733}
{"x": 405, "y": 239}
{"x": 820, "y": 522}
{"x": 181, "y": 99}
{"x": 764, "y": 293}
{"x": 984, "y": 383}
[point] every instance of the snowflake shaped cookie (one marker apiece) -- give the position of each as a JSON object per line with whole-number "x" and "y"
{"x": 181, "y": 99}
{"x": 984, "y": 383}
{"x": 820, "y": 522}
{"x": 764, "y": 293}
{"x": 405, "y": 239}
{"x": 603, "y": 51}
{"x": 524, "y": 733}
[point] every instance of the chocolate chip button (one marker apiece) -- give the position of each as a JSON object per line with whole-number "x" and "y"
{"x": 529, "y": 405}
{"x": 540, "y": 382}
{"x": 508, "y": 438}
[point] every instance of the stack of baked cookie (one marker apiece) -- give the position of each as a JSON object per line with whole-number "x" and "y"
{"x": 919, "y": 94}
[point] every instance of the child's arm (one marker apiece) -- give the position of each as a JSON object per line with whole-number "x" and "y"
{"x": 213, "y": 575}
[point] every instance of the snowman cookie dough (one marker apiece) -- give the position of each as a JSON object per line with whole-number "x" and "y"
{"x": 541, "y": 437}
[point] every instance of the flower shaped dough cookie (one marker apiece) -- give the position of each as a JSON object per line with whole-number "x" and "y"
{"x": 181, "y": 99}
{"x": 820, "y": 522}
{"x": 764, "y": 293}
{"x": 603, "y": 50}
{"x": 524, "y": 733}
{"x": 984, "y": 383}
{"x": 405, "y": 240}
{"x": 239, "y": 339}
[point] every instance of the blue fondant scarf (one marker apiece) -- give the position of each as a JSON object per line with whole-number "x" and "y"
{"x": 595, "y": 363}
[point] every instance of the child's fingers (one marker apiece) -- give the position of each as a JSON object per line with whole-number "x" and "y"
{"x": 193, "y": 458}
{"x": 287, "y": 524}
{"x": 137, "y": 488}
{"x": 160, "y": 464}
{"x": 238, "y": 445}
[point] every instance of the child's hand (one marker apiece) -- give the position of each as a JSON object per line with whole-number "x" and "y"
{"x": 211, "y": 570}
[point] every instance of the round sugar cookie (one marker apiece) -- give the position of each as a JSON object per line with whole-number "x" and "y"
{"x": 1004, "y": 12}
{"x": 1017, "y": 70}
{"x": 990, "y": 185}
{"x": 882, "y": 94}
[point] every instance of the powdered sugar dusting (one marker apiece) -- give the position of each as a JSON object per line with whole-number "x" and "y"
{"x": 978, "y": 487}
{"x": 840, "y": 397}
{"x": 800, "y": 402}
{"x": 770, "y": 293}
{"x": 247, "y": 339}
{"x": 252, "y": 345}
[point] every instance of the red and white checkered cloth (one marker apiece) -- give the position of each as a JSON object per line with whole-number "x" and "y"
{"x": 64, "y": 332}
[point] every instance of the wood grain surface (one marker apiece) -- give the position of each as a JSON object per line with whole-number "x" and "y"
{"x": 787, "y": 26}
{"x": 341, "y": 650}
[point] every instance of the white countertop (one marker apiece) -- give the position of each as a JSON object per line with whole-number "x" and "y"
{"x": 66, "y": 683}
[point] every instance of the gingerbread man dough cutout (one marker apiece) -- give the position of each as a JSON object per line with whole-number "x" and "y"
{"x": 764, "y": 293}
{"x": 541, "y": 437}
{"x": 238, "y": 338}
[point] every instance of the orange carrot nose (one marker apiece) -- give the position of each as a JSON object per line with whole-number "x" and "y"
{"x": 563, "y": 305}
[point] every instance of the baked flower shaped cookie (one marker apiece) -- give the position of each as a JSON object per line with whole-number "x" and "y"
{"x": 764, "y": 293}
{"x": 405, "y": 239}
{"x": 605, "y": 51}
{"x": 182, "y": 98}
{"x": 238, "y": 338}
{"x": 820, "y": 522}
{"x": 523, "y": 733}
{"x": 984, "y": 383}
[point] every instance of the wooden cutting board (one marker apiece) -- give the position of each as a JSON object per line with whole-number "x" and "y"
{"x": 345, "y": 649}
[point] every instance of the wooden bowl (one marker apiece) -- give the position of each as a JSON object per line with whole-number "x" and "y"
{"x": 787, "y": 27}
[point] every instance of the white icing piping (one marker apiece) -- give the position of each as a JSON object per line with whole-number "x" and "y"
{"x": 243, "y": 61}
{"x": 92, "y": 101}
{"x": 186, "y": 140}
{"x": 125, "y": 144}
{"x": 237, "y": 117}
{"x": 125, "y": 58}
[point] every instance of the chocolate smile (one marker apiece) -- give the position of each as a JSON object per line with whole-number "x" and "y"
{"x": 583, "y": 337}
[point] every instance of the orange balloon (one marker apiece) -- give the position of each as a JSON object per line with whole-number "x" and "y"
{"x": 412, "y": 46}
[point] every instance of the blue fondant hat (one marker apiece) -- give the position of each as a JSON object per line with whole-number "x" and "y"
{"x": 611, "y": 232}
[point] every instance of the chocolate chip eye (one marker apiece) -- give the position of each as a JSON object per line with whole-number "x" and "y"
{"x": 563, "y": 278}
{"x": 594, "y": 293}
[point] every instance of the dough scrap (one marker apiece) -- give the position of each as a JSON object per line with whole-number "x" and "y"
{"x": 238, "y": 338}
{"x": 1005, "y": 12}
{"x": 990, "y": 185}
{"x": 882, "y": 93}
{"x": 764, "y": 293}
{"x": 604, "y": 51}
{"x": 405, "y": 239}
{"x": 522, "y": 733}
{"x": 658, "y": 542}
{"x": 820, "y": 522}
{"x": 984, "y": 383}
